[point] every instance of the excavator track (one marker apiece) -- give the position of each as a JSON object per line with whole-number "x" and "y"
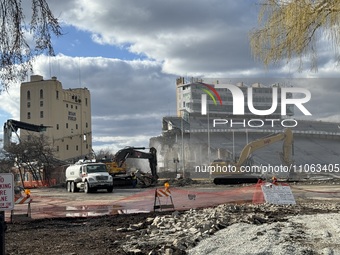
{"x": 122, "y": 181}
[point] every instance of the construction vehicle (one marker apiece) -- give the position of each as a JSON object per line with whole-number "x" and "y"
{"x": 88, "y": 176}
{"x": 118, "y": 169}
{"x": 11, "y": 126}
{"x": 228, "y": 172}
{"x": 113, "y": 168}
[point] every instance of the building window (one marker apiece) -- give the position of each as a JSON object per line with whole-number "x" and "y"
{"x": 28, "y": 115}
{"x": 67, "y": 147}
{"x": 28, "y": 95}
{"x": 28, "y": 104}
{"x": 66, "y": 125}
{"x": 66, "y": 105}
{"x": 76, "y": 147}
{"x": 57, "y": 148}
{"x": 41, "y": 114}
{"x": 87, "y": 125}
{"x": 86, "y": 101}
{"x": 41, "y": 94}
{"x": 57, "y": 94}
{"x": 41, "y": 103}
{"x": 57, "y": 126}
{"x": 71, "y": 106}
{"x": 76, "y": 126}
{"x": 87, "y": 146}
{"x": 76, "y": 107}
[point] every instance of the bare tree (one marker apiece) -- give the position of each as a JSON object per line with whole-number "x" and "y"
{"x": 33, "y": 154}
{"x": 104, "y": 154}
{"x": 16, "y": 51}
{"x": 291, "y": 29}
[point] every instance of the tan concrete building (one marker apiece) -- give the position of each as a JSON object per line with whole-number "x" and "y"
{"x": 67, "y": 112}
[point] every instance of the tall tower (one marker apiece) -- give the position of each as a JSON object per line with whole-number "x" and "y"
{"x": 67, "y": 113}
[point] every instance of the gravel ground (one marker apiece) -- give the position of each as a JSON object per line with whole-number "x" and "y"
{"x": 311, "y": 234}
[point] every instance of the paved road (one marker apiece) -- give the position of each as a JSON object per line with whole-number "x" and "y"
{"x": 57, "y": 202}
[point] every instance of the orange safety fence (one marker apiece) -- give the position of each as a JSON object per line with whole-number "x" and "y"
{"x": 39, "y": 183}
{"x": 258, "y": 196}
{"x": 185, "y": 199}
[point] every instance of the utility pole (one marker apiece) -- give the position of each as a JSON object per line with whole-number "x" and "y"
{"x": 182, "y": 133}
{"x": 2, "y": 232}
{"x": 208, "y": 129}
{"x": 183, "y": 162}
{"x": 7, "y": 196}
{"x": 176, "y": 161}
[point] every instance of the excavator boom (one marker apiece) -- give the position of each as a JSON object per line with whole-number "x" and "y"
{"x": 13, "y": 126}
{"x": 117, "y": 166}
{"x": 286, "y": 136}
{"x": 240, "y": 177}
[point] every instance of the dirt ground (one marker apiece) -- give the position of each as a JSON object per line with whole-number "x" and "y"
{"x": 99, "y": 235}
{"x": 96, "y": 235}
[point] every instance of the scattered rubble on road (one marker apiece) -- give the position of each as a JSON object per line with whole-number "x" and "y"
{"x": 177, "y": 233}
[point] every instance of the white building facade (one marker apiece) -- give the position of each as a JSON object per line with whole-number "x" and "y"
{"x": 189, "y": 99}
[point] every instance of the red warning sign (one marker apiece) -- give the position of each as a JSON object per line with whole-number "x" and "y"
{"x": 6, "y": 192}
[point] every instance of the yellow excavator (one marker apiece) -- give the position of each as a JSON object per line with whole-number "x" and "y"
{"x": 237, "y": 172}
{"x": 118, "y": 169}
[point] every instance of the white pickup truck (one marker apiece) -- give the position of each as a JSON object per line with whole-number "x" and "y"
{"x": 88, "y": 176}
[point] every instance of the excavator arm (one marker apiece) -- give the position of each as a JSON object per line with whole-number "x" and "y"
{"x": 287, "y": 151}
{"x": 134, "y": 152}
{"x": 13, "y": 126}
{"x": 239, "y": 177}
{"x": 286, "y": 136}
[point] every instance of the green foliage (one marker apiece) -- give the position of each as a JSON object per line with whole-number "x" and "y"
{"x": 290, "y": 29}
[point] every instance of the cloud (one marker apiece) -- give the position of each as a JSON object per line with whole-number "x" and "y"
{"x": 187, "y": 36}
{"x": 175, "y": 38}
{"x": 10, "y": 102}
{"x": 128, "y": 98}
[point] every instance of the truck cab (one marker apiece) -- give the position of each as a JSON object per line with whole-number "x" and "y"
{"x": 88, "y": 176}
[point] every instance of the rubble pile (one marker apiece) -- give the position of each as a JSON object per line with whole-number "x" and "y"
{"x": 178, "y": 232}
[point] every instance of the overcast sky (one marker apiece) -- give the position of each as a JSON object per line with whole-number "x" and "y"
{"x": 128, "y": 53}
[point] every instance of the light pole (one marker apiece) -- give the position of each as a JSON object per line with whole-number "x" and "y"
{"x": 233, "y": 145}
{"x": 208, "y": 129}
{"x": 209, "y": 152}
{"x": 182, "y": 133}
{"x": 176, "y": 160}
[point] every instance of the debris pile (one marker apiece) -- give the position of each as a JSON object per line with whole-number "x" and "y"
{"x": 179, "y": 232}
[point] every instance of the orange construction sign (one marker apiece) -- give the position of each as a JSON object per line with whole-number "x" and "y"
{"x": 160, "y": 196}
{"x": 22, "y": 196}
{"x": 22, "y": 200}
